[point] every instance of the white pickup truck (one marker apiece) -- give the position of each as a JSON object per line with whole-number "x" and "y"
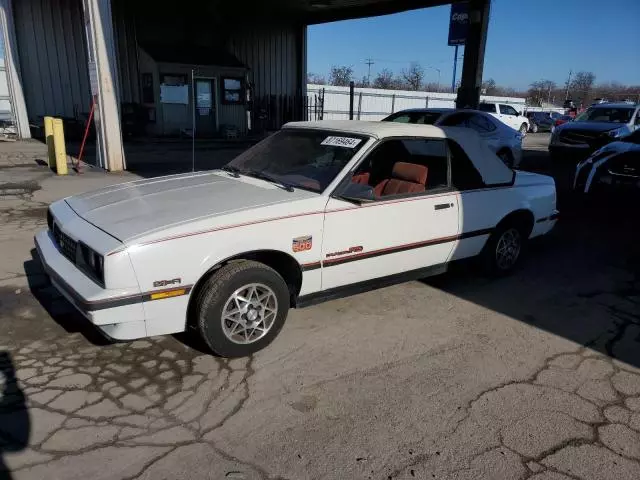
{"x": 507, "y": 115}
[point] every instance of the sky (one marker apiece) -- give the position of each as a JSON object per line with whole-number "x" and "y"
{"x": 527, "y": 41}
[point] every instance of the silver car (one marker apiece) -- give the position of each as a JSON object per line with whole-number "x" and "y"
{"x": 502, "y": 139}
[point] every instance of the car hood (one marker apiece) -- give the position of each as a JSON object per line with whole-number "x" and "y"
{"x": 590, "y": 126}
{"x": 619, "y": 147}
{"x": 130, "y": 210}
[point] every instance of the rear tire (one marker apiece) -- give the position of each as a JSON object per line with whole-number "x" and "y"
{"x": 504, "y": 249}
{"x": 533, "y": 128}
{"x": 241, "y": 308}
{"x": 507, "y": 157}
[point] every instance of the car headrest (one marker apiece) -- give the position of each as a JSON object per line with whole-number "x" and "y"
{"x": 410, "y": 172}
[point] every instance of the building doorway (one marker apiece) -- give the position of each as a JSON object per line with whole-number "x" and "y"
{"x": 206, "y": 113}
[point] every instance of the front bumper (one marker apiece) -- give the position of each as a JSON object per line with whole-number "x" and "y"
{"x": 571, "y": 151}
{"x": 119, "y": 313}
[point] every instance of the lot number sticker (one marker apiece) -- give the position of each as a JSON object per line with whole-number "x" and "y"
{"x": 345, "y": 142}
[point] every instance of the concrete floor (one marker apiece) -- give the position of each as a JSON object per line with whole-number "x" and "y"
{"x": 534, "y": 376}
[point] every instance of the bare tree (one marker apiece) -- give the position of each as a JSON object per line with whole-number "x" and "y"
{"x": 489, "y": 87}
{"x": 341, "y": 76}
{"x": 364, "y": 83}
{"x": 542, "y": 91}
{"x": 581, "y": 86}
{"x": 316, "y": 79}
{"x": 413, "y": 76}
{"x": 434, "y": 87}
{"x": 384, "y": 79}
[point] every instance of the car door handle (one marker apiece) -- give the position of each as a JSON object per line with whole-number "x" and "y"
{"x": 442, "y": 206}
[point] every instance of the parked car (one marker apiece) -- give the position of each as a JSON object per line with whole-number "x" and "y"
{"x": 315, "y": 211}
{"x": 507, "y": 115}
{"x": 593, "y": 128}
{"x": 540, "y": 121}
{"x": 614, "y": 166}
{"x": 560, "y": 120}
{"x": 503, "y": 140}
{"x": 420, "y": 116}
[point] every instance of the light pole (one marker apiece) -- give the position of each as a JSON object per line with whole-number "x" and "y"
{"x": 437, "y": 70}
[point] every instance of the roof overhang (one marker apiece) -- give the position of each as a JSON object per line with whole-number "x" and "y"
{"x": 257, "y": 12}
{"x": 322, "y": 11}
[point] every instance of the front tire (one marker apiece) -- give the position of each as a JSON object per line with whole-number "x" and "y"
{"x": 523, "y": 129}
{"x": 503, "y": 250}
{"x": 241, "y": 308}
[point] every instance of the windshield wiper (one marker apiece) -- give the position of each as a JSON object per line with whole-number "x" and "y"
{"x": 265, "y": 176}
{"x": 234, "y": 171}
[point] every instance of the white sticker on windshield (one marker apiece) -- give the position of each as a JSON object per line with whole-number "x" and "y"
{"x": 346, "y": 142}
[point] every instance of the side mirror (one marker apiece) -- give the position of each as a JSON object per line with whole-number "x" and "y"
{"x": 519, "y": 114}
{"x": 359, "y": 193}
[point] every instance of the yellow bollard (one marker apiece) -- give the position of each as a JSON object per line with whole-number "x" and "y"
{"x": 60, "y": 150}
{"x": 48, "y": 136}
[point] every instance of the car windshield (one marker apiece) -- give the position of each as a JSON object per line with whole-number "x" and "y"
{"x": 606, "y": 114}
{"x": 302, "y": 158}
{"x": 425, "y": 118}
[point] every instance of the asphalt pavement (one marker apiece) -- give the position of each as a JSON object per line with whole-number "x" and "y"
{"x": 532, "y": 376}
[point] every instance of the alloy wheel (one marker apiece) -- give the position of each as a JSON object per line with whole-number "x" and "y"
{"x": 249, "y": 313}
{"x": 508, "y": 249}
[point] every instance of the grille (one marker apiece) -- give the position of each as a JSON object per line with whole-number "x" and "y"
{"x": 66, "y": 244}
{"x": 625, "y": 164}
{"x": 577, "y": 137}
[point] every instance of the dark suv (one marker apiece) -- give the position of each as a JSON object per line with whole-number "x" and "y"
{"x": 594, "y": 128}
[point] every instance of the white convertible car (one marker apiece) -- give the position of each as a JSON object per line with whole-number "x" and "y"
{"x": 315, "y": 211}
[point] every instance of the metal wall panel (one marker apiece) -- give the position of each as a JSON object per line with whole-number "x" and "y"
{"x": 273, "y": 56}
{"x": 125, "y": 35}
{"x": 53, "y": 57}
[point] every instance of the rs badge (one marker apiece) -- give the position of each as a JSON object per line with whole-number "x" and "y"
{"x": 301, "y": 244}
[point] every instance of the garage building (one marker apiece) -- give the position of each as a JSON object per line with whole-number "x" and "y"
{"x": 231, "y": 66}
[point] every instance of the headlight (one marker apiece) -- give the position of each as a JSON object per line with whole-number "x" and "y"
{"x": 50, "y": 219}
{"x": 618, "y": 132}
{"x": 91, "y": 262}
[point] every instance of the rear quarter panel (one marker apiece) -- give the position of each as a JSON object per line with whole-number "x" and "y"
{"x": 484, "y": 209}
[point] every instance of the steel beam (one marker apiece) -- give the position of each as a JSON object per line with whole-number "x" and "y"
{"x": 471, "y": 80}
{"x": 103, "y": 75}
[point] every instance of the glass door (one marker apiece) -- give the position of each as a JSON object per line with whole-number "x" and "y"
{"x": 205, "y": 107}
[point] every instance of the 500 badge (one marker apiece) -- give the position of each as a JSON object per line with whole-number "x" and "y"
{"x": 301, "y": 244}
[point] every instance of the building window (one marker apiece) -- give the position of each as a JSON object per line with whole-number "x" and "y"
{"x": 232, "y": 91}
{"x": 173, "y": 80}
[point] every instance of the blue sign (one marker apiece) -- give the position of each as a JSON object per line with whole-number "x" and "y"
{"x": 458, "y": 23}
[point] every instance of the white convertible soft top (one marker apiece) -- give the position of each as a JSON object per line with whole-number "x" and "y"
{"x": 492, "y": 169}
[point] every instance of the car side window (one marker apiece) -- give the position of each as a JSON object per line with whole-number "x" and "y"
{"x": 480, "y": 124}
{"x": 464, "y": 174}
{"x": 508, "y": 110}
{"x": 405, "y": 118}
{"x": 487, "y": 107}
{"x": 405, "y": 167}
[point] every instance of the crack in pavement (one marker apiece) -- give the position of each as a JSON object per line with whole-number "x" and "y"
{"x": 590, "y": 367}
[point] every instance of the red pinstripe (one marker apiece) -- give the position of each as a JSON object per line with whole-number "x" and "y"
{"x": 256, "y": 222}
